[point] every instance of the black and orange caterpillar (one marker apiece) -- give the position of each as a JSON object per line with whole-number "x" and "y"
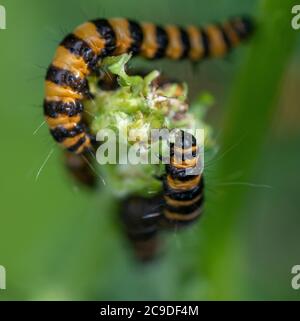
{"x": 79, "y": 54}
{"x": 141, "y": 232}
{"x": 179, "y": 205}
{"x": 183, "y": 182}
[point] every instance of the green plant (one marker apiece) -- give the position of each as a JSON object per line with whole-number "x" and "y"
{"x": 251, "y": 106}
{"x": 134, "y": 109}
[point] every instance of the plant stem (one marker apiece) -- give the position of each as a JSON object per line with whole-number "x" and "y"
{"x": 250, "y": 109}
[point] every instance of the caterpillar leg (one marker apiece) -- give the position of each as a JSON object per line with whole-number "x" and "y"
{"x": 183, "y": 183}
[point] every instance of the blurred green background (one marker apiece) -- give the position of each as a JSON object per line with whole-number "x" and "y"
{"x": 60, "y": 242}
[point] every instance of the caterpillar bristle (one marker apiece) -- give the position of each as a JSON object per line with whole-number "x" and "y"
{"x": 79, "y": 53}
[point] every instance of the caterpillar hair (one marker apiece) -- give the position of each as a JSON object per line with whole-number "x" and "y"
{"x": 79, "y": 167}
{"x": 78, "y": 55}
{"x": 183, "y": 183}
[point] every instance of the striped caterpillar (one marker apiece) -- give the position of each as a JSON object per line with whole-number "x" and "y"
{"x": 142, "y": 234}
{"x": 183, "y": 183}
{"x": 182, "y": 200}
{"x": 182, "y": 197}
{"x": 79, "y": 54}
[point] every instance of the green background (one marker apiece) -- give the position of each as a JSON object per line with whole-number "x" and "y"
{"x": 60, "y": 242}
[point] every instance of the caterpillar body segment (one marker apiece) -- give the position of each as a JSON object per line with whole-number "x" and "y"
{"x": 183, "y": 183}
{"x": 142, "y": 230}
{"x": 78, "y": 55}
{"x": 80, "y": 169}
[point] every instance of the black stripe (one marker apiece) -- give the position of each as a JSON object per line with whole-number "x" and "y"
{"x": 247, "y": 26}
{"x": 142, "y": 235}
{"x": 185, "y": 42}
{"x": 92, "y": 138}
{"x": 185, "y": 210}
{"x": 76, "y": 146}
{"x": 54, "y": 108}
{"x": 162, "y": 41}
{"x": 80, "y": 48}
{"x": 64, "y": 77}
{"x": 60, "y": 133}
{"x": 205, "y": 42}
{"x": 182, "y": 174}
{"x": 225, "y": 37}
{"x": 107, "y": 33}
{"x": 137, "y": 36}
{"x": 240, "y": 33}
{"x": 184, "y": 195}
{"x": 176, "y": 223}
{"x": 184, "y": 154}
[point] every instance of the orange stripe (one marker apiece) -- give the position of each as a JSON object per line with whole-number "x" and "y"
{"x": 217, "y": 45}
{"x": 70, "y": 141}
{"x": 88, "y": 32}
{"x": 63, "y": 120}
{"x": 188, "y": 163}
{"x": 183, "y": 185}
{"x": 182, "y": 217}
{"x": 233, "y": 36}
{"x": 55, "y": 90}
{"x": 62, "y": 99}
{"x": 122, "y": 32}
{"x": 86, "y": 144}
{"x": 64, "y": 59}
{"x": 149, "y": 45}
{"x": 179, "y": 90}
{"x": 172, "y": 90}
{"x": 174, "y": 49}
{"x": 197, "y": 50}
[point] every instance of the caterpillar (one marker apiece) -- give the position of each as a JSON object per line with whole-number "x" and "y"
{"x": 79, "y": 168}
{"x": 142, "y": 218}
{"x": 78, "y": 55}
{"x": 143, "y": 234}
{"x": 179, "y": 205}
{"x": 183, "y": 183}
